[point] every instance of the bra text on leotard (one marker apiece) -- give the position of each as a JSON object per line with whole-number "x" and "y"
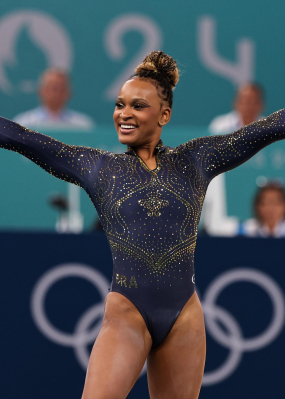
{"x": 121, "y": 279}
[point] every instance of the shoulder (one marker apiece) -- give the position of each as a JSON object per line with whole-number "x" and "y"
{"x": 280, "y": 231}
{"x": 108, "y": 156}
{"x": 250, "y": 228}
{"x": 224, "y": 123}
{"x": 191, "y": 151}
{"x": 199, "y": 143}
{"x": 28, "y": 117}
{"x": 79, "y": 119}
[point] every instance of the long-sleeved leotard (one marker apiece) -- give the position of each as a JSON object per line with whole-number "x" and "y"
{"x": 150, "y": 216}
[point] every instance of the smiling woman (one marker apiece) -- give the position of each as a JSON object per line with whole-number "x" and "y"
{"x": 149, "y": 201}
{"x": 145, "y": 101}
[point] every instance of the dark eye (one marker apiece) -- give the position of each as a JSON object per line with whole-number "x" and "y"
{"x": 139, "y": 106}
{"x": 119, "y": 105}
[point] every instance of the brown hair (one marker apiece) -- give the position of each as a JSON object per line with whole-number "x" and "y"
{"x": 162, "y": 70}
{"x": 256, "y": 87}
{"x": 271, "y": 186}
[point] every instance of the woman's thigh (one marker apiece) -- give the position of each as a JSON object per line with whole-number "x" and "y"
{"x": 175, "y": 368}
{"x": 119, "y": 352}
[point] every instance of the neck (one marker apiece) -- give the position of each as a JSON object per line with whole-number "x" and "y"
{"x": 272, "y": 225}
{"x": 53, "y": 110}
{"x": 147, "y": 152}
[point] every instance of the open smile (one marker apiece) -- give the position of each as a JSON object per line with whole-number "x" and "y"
{"x": 127, "y": 127}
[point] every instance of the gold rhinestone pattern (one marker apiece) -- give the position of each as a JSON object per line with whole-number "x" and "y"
{"x": 150, "y": 216}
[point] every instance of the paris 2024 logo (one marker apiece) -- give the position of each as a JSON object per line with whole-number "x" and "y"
{"x": 31, "y": 41}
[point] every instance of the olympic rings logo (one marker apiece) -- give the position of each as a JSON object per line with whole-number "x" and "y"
{"x": 82, "y": 336}
{"x": 234, "y": 340}
{"x": 230, "y": 336}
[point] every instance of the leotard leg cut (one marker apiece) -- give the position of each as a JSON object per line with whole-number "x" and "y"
{"x": 150, "y": 216}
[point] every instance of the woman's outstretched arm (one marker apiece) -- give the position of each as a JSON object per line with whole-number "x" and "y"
{"x": 217, "y": 154}
{"x": 66, "y": 162}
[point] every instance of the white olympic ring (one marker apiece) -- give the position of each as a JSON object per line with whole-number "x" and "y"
{"x": 235, "y": 341}
{"x": 81, "y": 337}
{"x": 84, "y": 335}
{"x": 234, "y": 356}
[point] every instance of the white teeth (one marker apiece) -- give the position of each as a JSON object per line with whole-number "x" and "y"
{"x": 128, "y": 126}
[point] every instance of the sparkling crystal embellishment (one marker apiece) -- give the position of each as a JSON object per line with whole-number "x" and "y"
{"x": 153, "y": 204}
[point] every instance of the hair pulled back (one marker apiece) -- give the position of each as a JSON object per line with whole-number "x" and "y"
{"x": 270, "y": 186}
{"x": 162, "y": 70}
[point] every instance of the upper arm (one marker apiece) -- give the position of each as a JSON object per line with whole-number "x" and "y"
{"x": 220, "y": 153}
{"x": 66, "y": 162}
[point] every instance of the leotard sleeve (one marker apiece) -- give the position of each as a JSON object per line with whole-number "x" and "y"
{"x": 66, "y": 162}
{"x": 221, "y": 153}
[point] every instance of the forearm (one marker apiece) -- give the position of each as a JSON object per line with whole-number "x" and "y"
{"x": 222, "y": 153}
{"x": 66, "y": 162}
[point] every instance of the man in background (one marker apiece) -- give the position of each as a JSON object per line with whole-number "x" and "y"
{"x": 248, "y": 107}
{"x": 54, "y": 93}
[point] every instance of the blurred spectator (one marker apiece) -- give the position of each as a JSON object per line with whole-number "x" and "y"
{"x": 248, "y": 106}
{"x": 269, "y": 212}
{"x": 54, "y": 93}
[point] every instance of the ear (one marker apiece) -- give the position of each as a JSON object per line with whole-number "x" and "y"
{"x": 165, "y": 116}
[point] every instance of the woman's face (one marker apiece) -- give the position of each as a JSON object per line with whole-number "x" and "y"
{"x": 249, "y": 103}
{"x": 138, "y": 112}
{"x": 271, "y": 207}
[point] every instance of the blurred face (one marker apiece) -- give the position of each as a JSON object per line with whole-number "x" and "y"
{"x": 138, "y": 112}
{"x": 248, "y": 103}
{"x": 54, "y": 91}
{"x": 271, "y": 207}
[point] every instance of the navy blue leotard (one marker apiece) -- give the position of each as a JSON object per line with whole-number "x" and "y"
{"x": 150, "y": 216}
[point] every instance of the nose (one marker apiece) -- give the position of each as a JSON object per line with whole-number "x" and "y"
{"x": 126, "y": 113}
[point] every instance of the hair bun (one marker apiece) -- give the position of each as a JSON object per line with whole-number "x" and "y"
{"x": 162, "y": 63}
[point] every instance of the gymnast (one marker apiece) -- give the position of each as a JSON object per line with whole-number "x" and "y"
{"x": 149, "y": 201}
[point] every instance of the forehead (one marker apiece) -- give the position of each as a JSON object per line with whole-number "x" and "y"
{"x": 138, "y": 88}
{"x": 271, "y": 192}
{"x": 248, "y": 91}
{"x": 55, "y": 77}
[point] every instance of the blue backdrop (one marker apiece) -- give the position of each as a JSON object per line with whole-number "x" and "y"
{"x": 52, "y": 289}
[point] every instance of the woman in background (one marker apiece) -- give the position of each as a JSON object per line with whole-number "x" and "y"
{"x": 269, "y": 212}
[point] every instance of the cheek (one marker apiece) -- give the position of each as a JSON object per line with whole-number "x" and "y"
{"x": 150, "y": 117}
{"x": 262, "y": 210}
{"x": 281, "y": 209}
{"x": 115, "y": 115}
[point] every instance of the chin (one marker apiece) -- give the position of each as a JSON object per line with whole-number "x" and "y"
{"x": 127, "y": 140}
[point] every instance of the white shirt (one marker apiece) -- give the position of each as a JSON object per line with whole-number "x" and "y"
{"x": 227, "y": 123}
{"x": 66, "y": 119}
{"x": 253, "y": 228}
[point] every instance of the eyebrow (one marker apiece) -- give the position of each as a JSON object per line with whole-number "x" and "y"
{"x": 134, "y": 99}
